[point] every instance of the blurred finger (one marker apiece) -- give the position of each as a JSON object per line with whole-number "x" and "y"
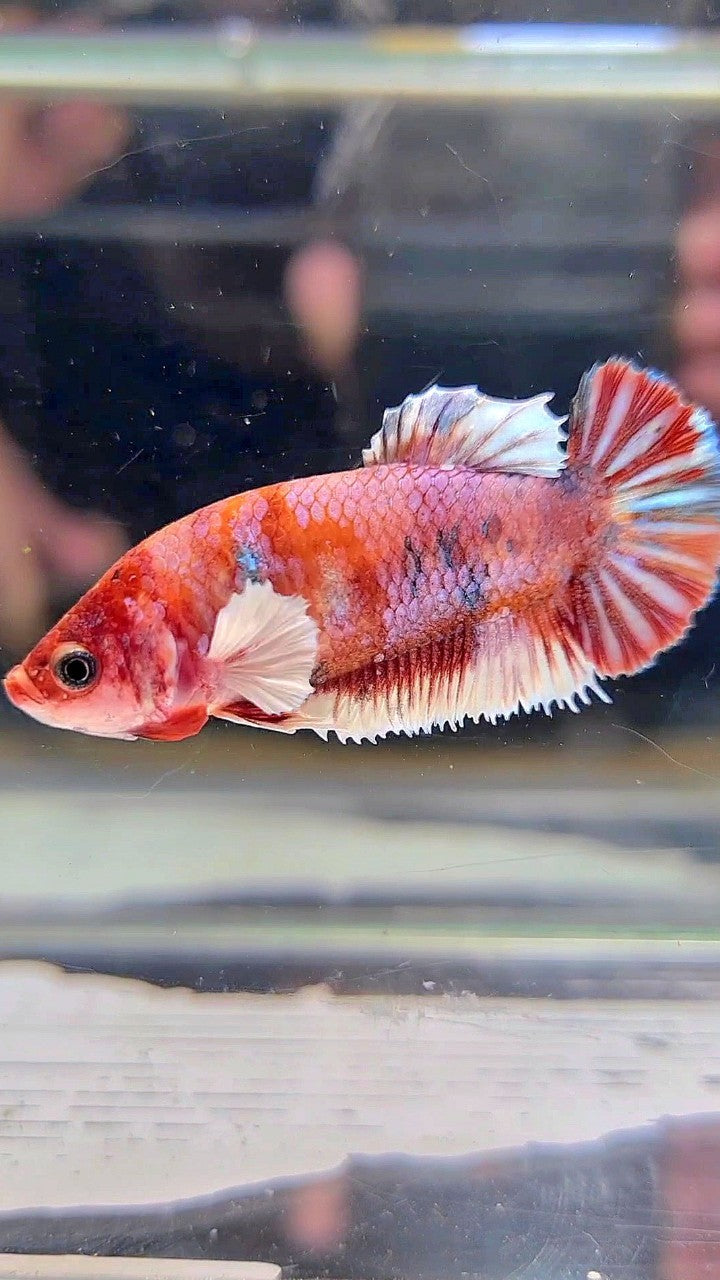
{"x": 699, "y": 378}
{"x": 78, "y": 137}
{"x": 698, "y": 246}
{"x": 323, "y": 290}
{"x": 318, "y": 1217}
{"x": 46, "y": 154}
{"x": 81, "y": 547}
{"x": 23, "y": 595}
{"x": 16, "y": 17}
{"x": 697, "y": 319}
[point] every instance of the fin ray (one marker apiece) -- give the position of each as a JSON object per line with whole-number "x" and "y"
{"x": 461, "y": 426}
{"x": 659, "y": 460}
{"x": 184, "y": 723}
{"x": 264, "y": 649}
{"x": 494, "y": 671}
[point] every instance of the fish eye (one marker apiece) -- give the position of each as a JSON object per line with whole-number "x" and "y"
{"x": 75, "y": 668}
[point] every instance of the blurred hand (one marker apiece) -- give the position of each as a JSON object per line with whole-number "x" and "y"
{"x": 697, "y": 310}
{"x": 48, "y": 153}
{"x": 319, "y": 1214}
{"x": 46, "y": 549}
{"x": 323, "y": 288}
{"x": 696, "y": 318}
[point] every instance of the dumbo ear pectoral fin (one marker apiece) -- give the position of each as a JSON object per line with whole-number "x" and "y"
{"x": 263, "y": 651}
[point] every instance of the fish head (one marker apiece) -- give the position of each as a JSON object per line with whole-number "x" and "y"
{"x": 109, "y": 667}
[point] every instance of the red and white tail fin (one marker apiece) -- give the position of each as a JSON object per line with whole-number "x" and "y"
{"x": 656, "y": 460}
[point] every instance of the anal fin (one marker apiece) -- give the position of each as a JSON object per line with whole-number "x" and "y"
{"x": 515, "y": 663}
{"x": 244, "y": 712}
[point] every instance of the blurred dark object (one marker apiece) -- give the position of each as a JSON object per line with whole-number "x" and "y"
{"x": 641, "y": 1205}
{"x": 674, "y": 12}
{"x": 150, "y": 380}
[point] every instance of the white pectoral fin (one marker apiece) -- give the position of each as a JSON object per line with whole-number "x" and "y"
{"x": 264, "y": 649}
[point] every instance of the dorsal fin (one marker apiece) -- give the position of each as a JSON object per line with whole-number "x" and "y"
{"x": 460, "y": 426}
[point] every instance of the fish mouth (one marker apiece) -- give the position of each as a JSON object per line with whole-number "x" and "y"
{"x": 20, "y": 688}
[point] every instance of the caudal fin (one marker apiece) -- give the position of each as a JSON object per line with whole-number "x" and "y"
{"x": 658, "y": 461}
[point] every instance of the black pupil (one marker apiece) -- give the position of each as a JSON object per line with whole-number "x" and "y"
{"x": 77, "y": 669}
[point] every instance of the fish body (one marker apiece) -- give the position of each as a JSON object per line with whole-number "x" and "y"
{"x": 469, "y": 569}
{"x": 388, "y": 559}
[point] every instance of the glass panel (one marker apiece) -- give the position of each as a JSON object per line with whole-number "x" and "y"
{"x": 443, "y": 1004}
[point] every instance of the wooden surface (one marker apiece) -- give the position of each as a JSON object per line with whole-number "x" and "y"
{"x": 113, "y": 1092}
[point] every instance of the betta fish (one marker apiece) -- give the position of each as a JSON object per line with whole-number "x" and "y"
{"x": 484, "y": 560}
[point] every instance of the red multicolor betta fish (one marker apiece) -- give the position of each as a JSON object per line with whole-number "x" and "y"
{"x": 473, "y": 567}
